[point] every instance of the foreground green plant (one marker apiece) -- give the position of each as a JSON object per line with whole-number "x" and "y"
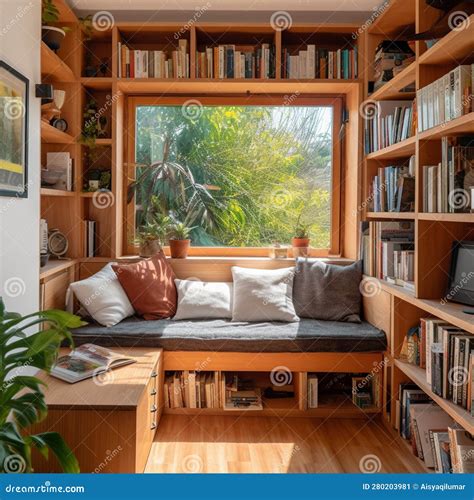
{"x": 22, "y": 403}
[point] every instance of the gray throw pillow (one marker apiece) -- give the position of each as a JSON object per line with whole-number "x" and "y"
{"x": 327, "y": 291}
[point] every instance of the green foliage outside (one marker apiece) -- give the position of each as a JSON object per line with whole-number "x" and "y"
{"x": 257, "y": 170}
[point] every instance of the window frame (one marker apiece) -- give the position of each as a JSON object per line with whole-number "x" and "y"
{"x": 336, "y": 102}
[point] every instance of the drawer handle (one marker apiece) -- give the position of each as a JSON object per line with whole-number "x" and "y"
{"x": 153, "y": 409}
{"x": 154, "y": 374}
{"x": 153, "y": 392}
{"x": 153, "y": 426}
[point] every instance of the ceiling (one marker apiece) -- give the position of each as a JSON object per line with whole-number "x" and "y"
{"x": 228, "y": 5}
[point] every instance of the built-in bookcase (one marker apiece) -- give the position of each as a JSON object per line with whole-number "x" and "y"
{"x": 434, "y": 232}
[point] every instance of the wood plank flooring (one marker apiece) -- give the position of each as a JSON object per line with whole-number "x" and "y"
{"x": 217, "y": 444}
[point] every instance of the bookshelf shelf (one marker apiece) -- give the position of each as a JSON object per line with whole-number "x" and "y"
{"x": 456, "y": 46}
{"x": 215, "y": 86}
{"x": 51, "y": 135}
{"x": 98, "y": 83}
{"x": 57, "y": 192}
{"x": 391, "y": 215}
{"x": 393, "y": 89}
{"x": 461, "y": 125}
{"x": 53, "y": 67}
{"x": 447, "y": 217}
{"x": 418, "y": 376}
{"x": 401, "y": 149}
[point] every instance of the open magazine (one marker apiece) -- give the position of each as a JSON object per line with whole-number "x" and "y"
{"x": 87, "y": 361}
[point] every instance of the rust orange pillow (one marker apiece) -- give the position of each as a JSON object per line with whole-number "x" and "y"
{"x": 149, "y": 285}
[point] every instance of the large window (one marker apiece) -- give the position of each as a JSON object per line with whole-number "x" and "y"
{"x": 239, "y": 175}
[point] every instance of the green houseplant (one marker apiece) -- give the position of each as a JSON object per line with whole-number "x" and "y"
{"x": 52, "y": 36}
{"x": 300, "y": 241}
{"x": 22, "y": 403}
{"x": 179, "y": 240}
{"x": 152, "y": 236}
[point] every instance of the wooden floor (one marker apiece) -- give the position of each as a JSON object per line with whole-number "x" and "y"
{"x": 271, "y": 444}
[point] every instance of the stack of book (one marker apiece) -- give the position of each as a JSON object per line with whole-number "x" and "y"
{"x": 191, "y": 389}
{"x": 58, "y": 173}
{"x": 447, "y": 98}
{"x": 153, "y": 63}
{"x": 446, "y": 186}
{"x": 90, "y": 238}
{"x": 394, "y": 253}
{"x": 393, "y": 189}
{"x": 225, "y": 61}
{"x": 391, "y": 57}
{"x": 240, "y": 393}
{"x": 433, "y": 434}
{"x": 388, "y": 122}
{"x": 320, "y": 63}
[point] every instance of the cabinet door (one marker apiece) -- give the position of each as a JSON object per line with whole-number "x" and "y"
{"x": 54, "y": 290}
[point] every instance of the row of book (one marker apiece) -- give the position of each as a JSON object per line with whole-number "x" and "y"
{"x": 224, "y": 61}
{"x": 447, "y": 186}
{"x": 446, "y": 98}
{"x": 153, "y": 63}
{"x": 447, "y": 354}
{"x": 320, "y": 63}
{"x": 435, "y": 437}
{"x": 394, "y": 252}
{"x": 388, "y": 122}
{"x": 393, "y": 188}
{"x": 191, "y": 389}
{"x": 391, "y": 57}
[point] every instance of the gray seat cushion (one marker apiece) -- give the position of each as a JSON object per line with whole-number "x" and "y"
{"x": 308, "y": 335}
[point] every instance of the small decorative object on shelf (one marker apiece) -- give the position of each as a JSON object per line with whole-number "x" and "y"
{"x": 391, "y": 57}
{"x": 95, "y": 123}
{"x": 57, "y": 243}
{"x": 179, "y": 240}
{"x": 52, "y": 36}
{"x": 151, "y": 236}
{"x": 51, "y": 111}
{"x": 278, "y": 251}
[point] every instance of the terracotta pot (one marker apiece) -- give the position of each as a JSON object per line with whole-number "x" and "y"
{"x": 52, "y": 36}
{"x": 300, "y": 247}
{"x": 149, "y": 248}
{"x": 179, "y": 248}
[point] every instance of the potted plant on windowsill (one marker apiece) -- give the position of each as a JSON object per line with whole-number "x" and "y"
{"x": 52, "y": 36}
{"x": 151, "y": 236}
{"x": 22, "y": 402}
{"x": 300, "y": 241}
{"x": 179, "y": 240}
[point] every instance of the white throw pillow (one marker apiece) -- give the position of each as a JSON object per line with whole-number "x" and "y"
{"x": 103, "y": 297}
{"x": 202, "y": 300}
{"x": 263, "y": 294}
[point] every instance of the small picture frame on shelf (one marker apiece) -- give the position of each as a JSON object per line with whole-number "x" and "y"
{"x": 14, "y": 88}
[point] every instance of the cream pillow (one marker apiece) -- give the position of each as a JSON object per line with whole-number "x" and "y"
{"x": 263, "y": 295}
{"x": 202, "y": 300}
{"x": 103, "y": 297}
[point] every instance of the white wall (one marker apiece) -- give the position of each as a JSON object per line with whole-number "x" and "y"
{"x": 20, "y": 36}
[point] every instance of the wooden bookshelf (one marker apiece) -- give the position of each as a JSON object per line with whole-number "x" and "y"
{"x": 434, "y": 232}
{"x": 418, "y": 376}
{"x": 56, "y": 192}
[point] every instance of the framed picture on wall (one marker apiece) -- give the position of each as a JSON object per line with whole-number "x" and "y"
{"x": 13, "y": 132}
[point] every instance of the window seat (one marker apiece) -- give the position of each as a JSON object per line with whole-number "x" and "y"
{"x": 308, "y": 335}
